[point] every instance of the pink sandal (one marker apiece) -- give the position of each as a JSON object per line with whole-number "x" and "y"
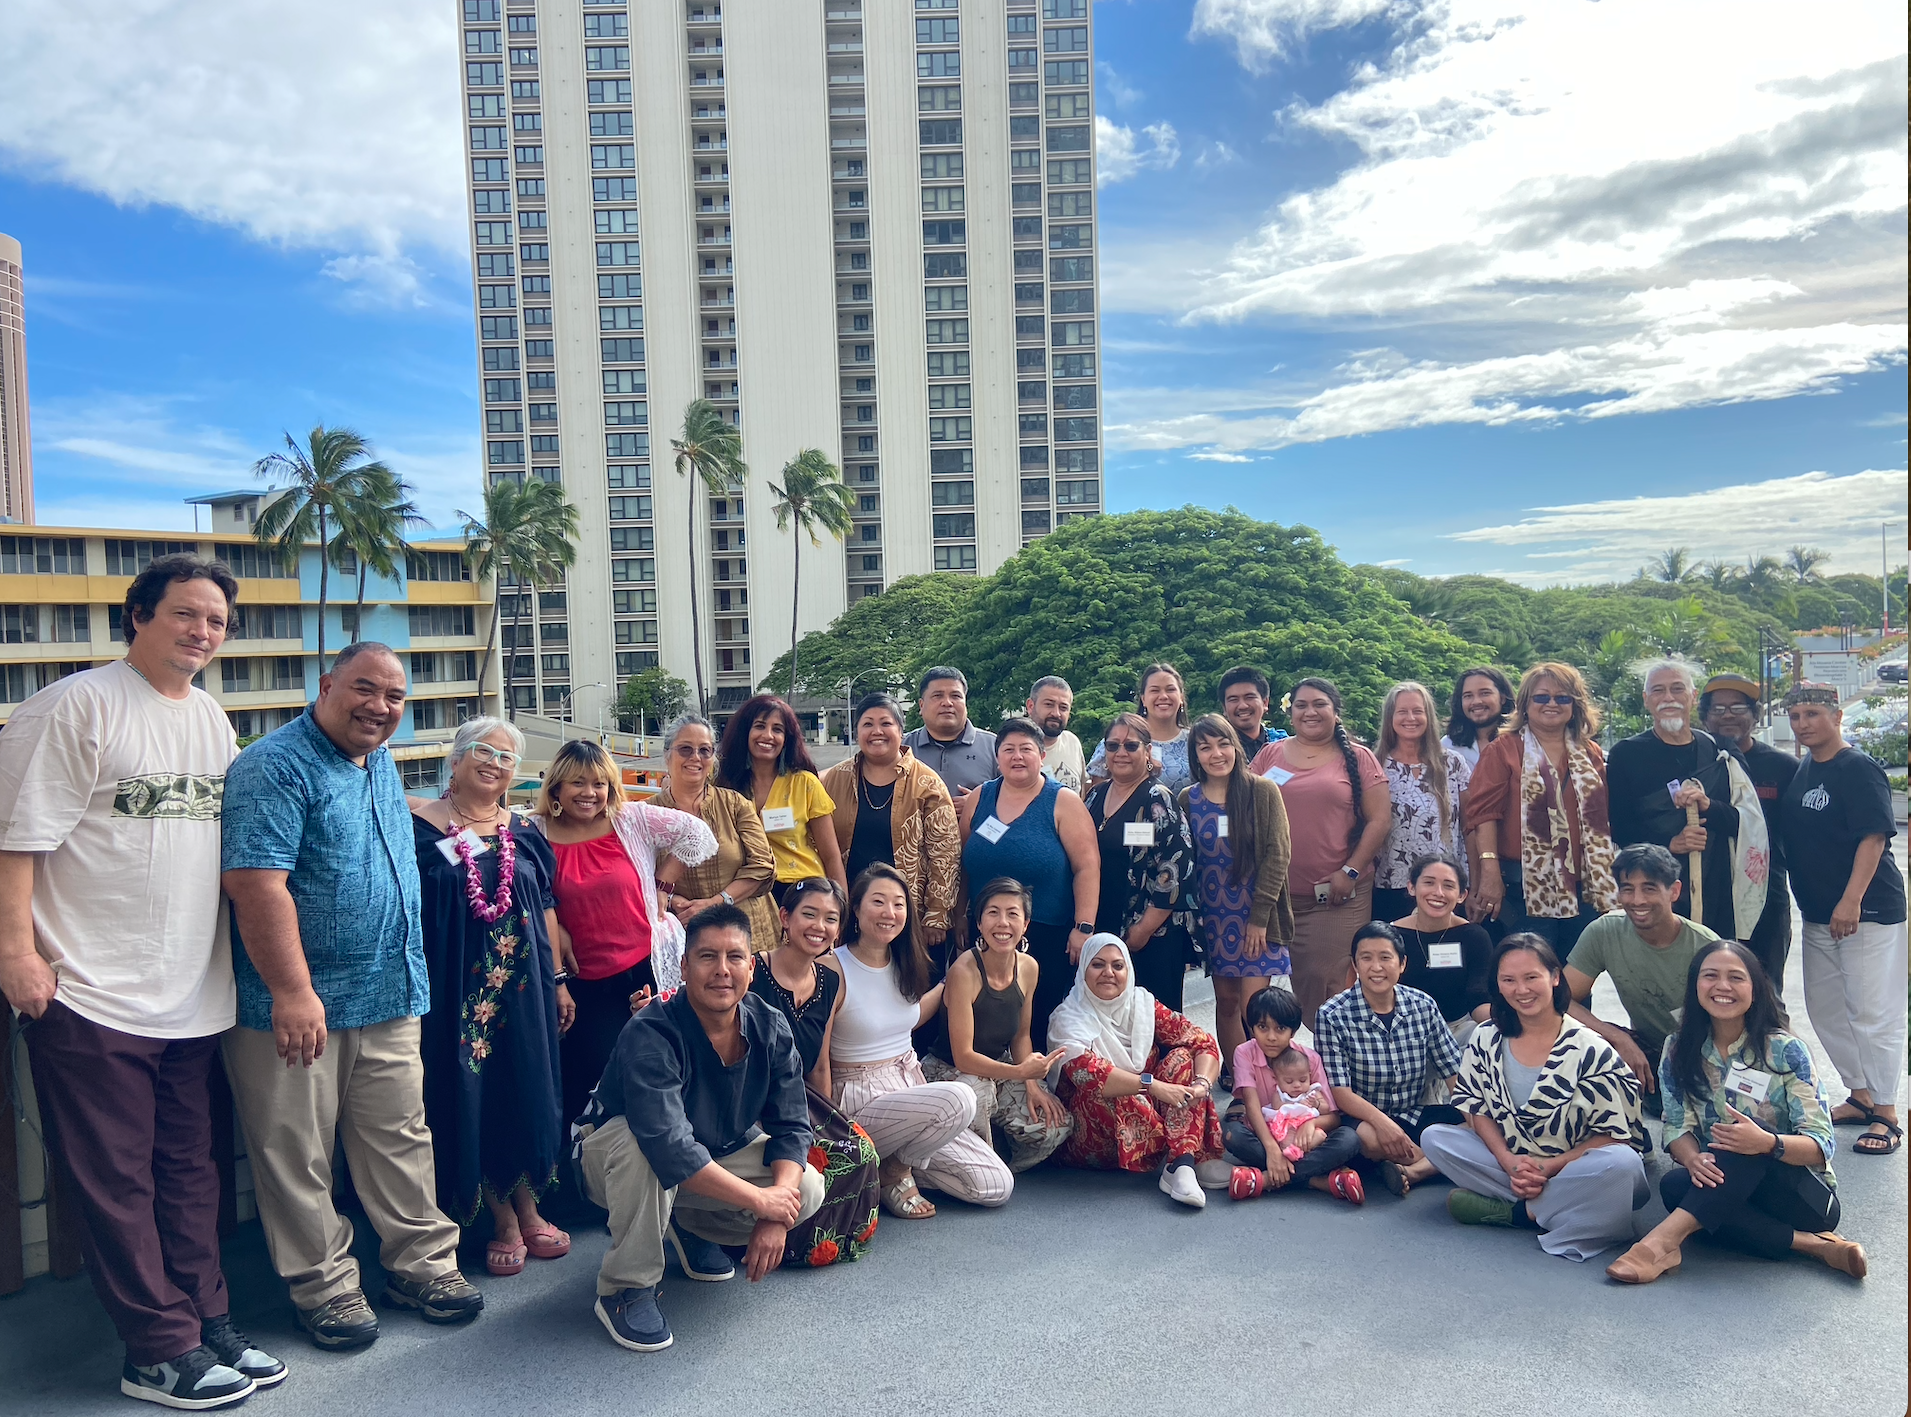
{"x": 503, "y": 1258}
{"x": 547, "y": 1242}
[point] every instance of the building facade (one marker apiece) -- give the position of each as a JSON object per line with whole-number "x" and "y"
{"x": 62, "y": 588}
{"x": 859, "y": 227}
{"x": 16, "y": 432}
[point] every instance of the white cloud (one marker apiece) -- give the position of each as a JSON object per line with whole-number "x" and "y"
{"x": 1215, "y": 154}
{"x": 1264, "y": 30}
{"x": 1119, "y": 154}
{"x": 1573, "y": 210}
{"x": 1609, "y": 540}
{"x": 1212, "y": 456}
{"x": 332, "y": 126}
{"x": 1120, "y": 92}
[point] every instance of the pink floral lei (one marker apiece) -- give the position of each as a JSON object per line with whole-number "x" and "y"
{"x": 494, "y": 909}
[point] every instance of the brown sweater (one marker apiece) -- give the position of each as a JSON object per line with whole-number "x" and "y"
{"x": 1273, "y": 905}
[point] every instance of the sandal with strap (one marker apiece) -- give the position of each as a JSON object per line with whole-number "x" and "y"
{"x": 905, "y": 1202}
{"x": 504, "y": 1258}
{"x": 547, "y": 1242}
{"x": 1864, "y": 1118}
{"x": 1394, "y": 1178}
{"x": 1345, "y": 1183}
{"x": 1881, "y": 1144}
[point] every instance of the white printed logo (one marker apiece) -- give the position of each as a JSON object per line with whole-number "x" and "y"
{"x": 1816, "y": 800}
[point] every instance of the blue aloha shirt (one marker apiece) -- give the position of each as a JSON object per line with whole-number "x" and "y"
{"x": 343, "y": 835}
{"x": 1794, "y": 1104}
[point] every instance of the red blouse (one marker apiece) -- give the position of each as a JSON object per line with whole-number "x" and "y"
{"x": 600, "y": 902}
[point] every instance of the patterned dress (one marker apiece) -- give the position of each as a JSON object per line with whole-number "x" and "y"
{"x": 1131, "y": 1133}
{"x": 1226, "y": 904}
{"x": 489, "y": 1041}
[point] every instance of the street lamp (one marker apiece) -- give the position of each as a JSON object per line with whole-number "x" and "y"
{"x": 568, "y": 693}
{"x": 849, "y": 708}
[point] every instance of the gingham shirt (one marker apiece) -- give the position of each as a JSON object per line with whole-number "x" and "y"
{"x": 1388, "y": 1065}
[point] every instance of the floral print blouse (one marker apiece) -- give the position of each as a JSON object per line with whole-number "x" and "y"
{"x": 1416, "y": 817}
{"x": 1158, "y": 875}
{"x": 1794, "y": 1103}
{"x": 1172, "y": 755}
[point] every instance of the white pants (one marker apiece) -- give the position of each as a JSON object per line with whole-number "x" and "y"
{"x": 1585, "y": 1209}
{"x": 1854, "y": 992}
{"x": 925, "y": 1125}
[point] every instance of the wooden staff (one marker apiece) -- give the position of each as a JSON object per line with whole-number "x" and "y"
{"x": 1695, "y": 860}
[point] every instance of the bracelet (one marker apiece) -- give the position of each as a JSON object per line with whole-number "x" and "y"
{"x": 1778, "y": 1146}
{"x": 1489, "y": 856}
{"x": 563, "y": 976}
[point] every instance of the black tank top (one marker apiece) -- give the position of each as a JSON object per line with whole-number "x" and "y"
{"x": 998, "y": 1013}
{"x": 808, "y": 1019}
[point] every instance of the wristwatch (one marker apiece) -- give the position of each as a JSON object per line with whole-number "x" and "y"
{"x": 1351, "y": 873}
{"x": 1777, "y": 1152}
{"x": 1087, "y": 927}
{"x": 563, "y": 976}
{"x": 726, "y": 898}
{"x": 1147, "y": 1081}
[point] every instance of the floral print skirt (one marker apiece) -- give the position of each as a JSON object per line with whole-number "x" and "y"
{"x": 844, "y": 1224}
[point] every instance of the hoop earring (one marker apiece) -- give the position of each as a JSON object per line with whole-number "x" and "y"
{"x": 557, "y": 810}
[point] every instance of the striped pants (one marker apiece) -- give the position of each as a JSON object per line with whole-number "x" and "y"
{"x": 925, "y": 1125}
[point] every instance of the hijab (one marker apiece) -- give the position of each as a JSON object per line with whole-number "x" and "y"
{"x": 1121, "y": 1030}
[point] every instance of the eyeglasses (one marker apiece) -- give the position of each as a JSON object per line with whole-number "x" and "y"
{"x": 1563, "y": 700}
{"x": 1122, "y": 745}
{"x": 485, "y": 753}
{"x": 1739, "y": 710}
{"x": 684, "y": 750}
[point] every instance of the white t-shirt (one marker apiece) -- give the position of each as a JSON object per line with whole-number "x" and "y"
{"x": 1064, "y": 762}
{"x": 1470, "y": 753}
{"x": 119, "y": 788}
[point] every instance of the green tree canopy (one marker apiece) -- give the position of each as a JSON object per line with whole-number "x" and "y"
{"x": 879, "y": 639}
{"x": 650, "y": 696}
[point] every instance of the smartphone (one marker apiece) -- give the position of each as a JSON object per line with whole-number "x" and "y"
{"x": 1320, "y": 892}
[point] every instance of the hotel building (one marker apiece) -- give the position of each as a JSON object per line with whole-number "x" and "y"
{"x": 16, "y": 433}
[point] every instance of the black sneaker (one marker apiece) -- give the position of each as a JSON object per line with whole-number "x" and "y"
{"x": 346, "y": 1321}
{"x": 195, "y": 1381}
{"x": 701, "y": 1259}
{"x": 633, "y": 1320}
{"x": 448, "y": 1299}
{"x": 236, "y": 1351}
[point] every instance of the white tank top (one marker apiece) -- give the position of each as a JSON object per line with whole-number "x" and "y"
{"x": 875, "y": 1020}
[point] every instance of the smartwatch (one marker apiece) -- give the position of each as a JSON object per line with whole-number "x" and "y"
{"x": 1350, "y": 873}
{"x": 726, "y": 898}
{"x": 1147, "y": 1081}
{"x": 1087, "y": 927}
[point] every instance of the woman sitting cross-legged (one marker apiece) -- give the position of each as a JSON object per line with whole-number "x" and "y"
{"x": 1277, "y": 1083}
{"x": 1384, "y": 1044}
{"x": 1138, "y": 1078}
{"x": 920, "y": 1128}
{"x": 801, "y": 978}
{"x": 987, "y": 1001}
{"x": 1554, "y": 1116}
{"x": 1749, "y": 1126}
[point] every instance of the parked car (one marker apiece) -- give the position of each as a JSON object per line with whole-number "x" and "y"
{"x": 1892, "y": 671}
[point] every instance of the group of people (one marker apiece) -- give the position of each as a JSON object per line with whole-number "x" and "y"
{"x": 744, "y": 1017}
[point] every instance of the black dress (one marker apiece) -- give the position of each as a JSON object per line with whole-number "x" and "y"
{"x": 1135, "y": 878}
{"x": 489, "y": 1041}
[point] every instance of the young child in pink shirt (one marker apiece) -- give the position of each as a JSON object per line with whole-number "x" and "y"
{"x": 1279, "y": 1081}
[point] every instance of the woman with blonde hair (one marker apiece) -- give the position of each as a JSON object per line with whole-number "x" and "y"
{"x": 1425, "y": 780}
{"x": 1539, "y": 796}
{"x": 617, "y": 943}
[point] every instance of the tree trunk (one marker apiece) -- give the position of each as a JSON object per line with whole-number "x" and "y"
{"x": 696, "y": 616}
{"x": 322, "y": 587}
{"x": 796, "y": 589}
{"x": 511, "y": 650}
{"x": 358, "y": 615}
{"x": 490, "y": 642}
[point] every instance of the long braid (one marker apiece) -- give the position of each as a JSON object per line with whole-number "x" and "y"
{"x": 1352, "y": 763}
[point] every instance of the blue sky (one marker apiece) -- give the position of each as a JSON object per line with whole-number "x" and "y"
{"x": 1468, "y": 285}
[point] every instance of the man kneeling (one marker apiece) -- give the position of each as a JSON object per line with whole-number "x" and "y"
{"x": 701, "y": 1111}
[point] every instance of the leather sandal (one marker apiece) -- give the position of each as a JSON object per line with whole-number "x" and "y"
{"x": 1641, "y": 1266}
{"x": 1870, "y": 1143}
{"x": 1846, "y": 1256}
{"x": 547, "y": 1242}
{"x": 905, "y": 1202}
{"x": 503, "y": 1258}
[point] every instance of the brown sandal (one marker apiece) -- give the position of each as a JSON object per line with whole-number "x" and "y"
{"x": 1641, "y": 1266}
{"x": 1846, "y": 1256}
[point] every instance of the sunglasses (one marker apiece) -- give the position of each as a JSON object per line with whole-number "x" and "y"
{"x": 684, "y": 750}
{"x": 1563, "y": 700}
{"x": 485, "y": 753}
{"x": 1122, "y": 745}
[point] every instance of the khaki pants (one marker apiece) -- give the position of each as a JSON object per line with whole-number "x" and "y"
{"x": 618, "y": 1177}
{"x": 367, "y": 1088}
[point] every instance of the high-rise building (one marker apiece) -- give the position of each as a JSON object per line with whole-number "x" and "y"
{"x": 16, "y": 433}
{"x": 866, "y": 228}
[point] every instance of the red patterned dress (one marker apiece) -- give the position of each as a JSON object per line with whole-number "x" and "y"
{"x": 1132, "y": 1133}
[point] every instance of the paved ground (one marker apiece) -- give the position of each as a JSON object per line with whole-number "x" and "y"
{"x": 1093, "y": 1293}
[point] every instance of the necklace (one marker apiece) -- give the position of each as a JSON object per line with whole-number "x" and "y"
{"x": 864, "y": 791}
{"x": 451, "y": 803}
{"x": 494, "y": 909}
{"x": 1423, "y": 934}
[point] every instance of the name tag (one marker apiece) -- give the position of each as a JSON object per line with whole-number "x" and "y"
{"x": 779, "y": 819}
{"x": 448, "y": 846}
{"x": 1138, "y": 834}
{"x": 1154, "y": 751}
{"x": 1279, "y": 774}
{"x": 1221, "y": 826}
{"x": 1445, "y": 955}
{"x": 1672, "y": 788}
{"x": 1747, "y": 1087}
{"x": 994, "y": 829}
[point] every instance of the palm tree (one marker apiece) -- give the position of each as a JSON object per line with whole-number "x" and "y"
{"x": 812, "y": 495}
{"x": 710, "y": 454}
{"x": 1673, "y": 566}
{"x": 1718, "y": 574}
{"x": 332, "y": 475}
{"x": 526, "y": 538}
{"x": 371, "y": 532}
{"x": 1761, "y": 573}
{"x": 1803, "y": 562}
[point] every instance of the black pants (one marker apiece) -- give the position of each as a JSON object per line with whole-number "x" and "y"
{"x": 603, "y": 1008}
{"x": 1162, "y": 966}
{"x": 1048, "y": 947}
{"x": 1340, "y": 1149}
{"x": 1772, "y": 936}
{"x": 1759, "y": 1205}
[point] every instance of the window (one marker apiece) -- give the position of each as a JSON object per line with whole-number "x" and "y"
{"x": 952, "y": 494}
{"x": 620, "y": 288}
{"x": 944, "y": 233}
{"x": 483, "y": 42}
{"x": 607, "y": 91}
{"x": 484, "y": 75}
{"x": 871, "y": 534}
{"x": 1025, "y": 160}
{"x": 489, "y": 138}
{"x": 861, "y": 354}
{"x": 489, "y": 169}
{"x": 942, "y": 64}
{"x": 1071, "y": 204}
{"x": 498, "y": 326}
{"x": 613, "y": 189}
{"x": 955, "y": 558}
{"x": 506, "y": 454}
{"x": 537, "y": 285}
{"x": 1068, "y": 140}
{"x": 535, "y": 315}
{"x": 1035, "y": 489}
{"x": 532, "y": 221}
{"x": 1022, "y": 24}
{"x": 633, "y": 602}
{"x": 537, "y": 251}
{"x": 952, "y": 460}
{"x": 1068, "y": 332}
{"x": 1033, "y": 425}
{"x": 617, "y": 253}
{"x": 1028, "y": 293}
{"x": 950, "y": 365}
{"x": 1028, "y": 326}
{"x": 440, "y": 621}
{"x": 940, "y": 132}
{"x": 627, "y": 413}
{"x": 627, "y": 445}
{"x": 529, "y": 157}
{"x": 521, "y": 24}
{"x": 606, "y": 26}
{"x": 1034, "y": 457}
{"x": 1023, "y": 59}
{"x": 247, "y": 560}
{"x": 1071, "y": 493}
{"x": 544, "y": 444}
{"x": 866, "y": 473}
{"x": 622, "y": 351}
{"x": 610, "y": 125}
{"x": 1024, "y": 95}
{"x": 266, "y": 622}
{"x": 494, "y": 233}
{"x": 1071, "y": 268}
{"x": 497, "y": 297}
{"x": 948, "y": 332}
{"x": 633, "y": 538}
{"x": 940, "y": 100}
{"x": 630, "y": 509}
{"x": 938, "y": 264}
{"x": 524, "y": 88}
{"x": 640, "y": 569}
{"x": 1074, "y": 430}
{"x": 527, "y": 122}
{"x": 1074, "y": 396}
{"x": 938, "y": 165}
{"x": 950, "y": 430}
{"x": 502, "y": 390}
{"x": 1027, "y": 129}
{"x": 489, "y": 105}
{"x": 945, "y": 297}
{"x": 937, "y": 31}
{"x": 870, "y": 504}
{"x": 615, "y": 222}
{"x": 530, "y": 186}
{"x": 1026, "y": 194}
{"x": 617, "y": 57}
{"x": 436, "y": 566}
{"x": 1035, "y": 523}
{"x": 636, "y": 662}
{"x": 1067, "y": 105}
{"x": 624, "y": 381}
{"x": 948, "y": 395}
{"x": 620, "y": 317}
{"x": 1025, "y": 228}
{"x": 613, "y": 155}
{"x": 1031, "y": 391}
{"x": 1074, "y": 366}
{"x": 1065, "y": 71}
{"x": 496, "y": 263}
{"x": 636, "y": 632}
{"x": 627, "y": 475}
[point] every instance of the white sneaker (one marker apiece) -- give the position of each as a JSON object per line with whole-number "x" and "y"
{"x": 1180, "y": 1184}
{"x": 1214, "y": 1175}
